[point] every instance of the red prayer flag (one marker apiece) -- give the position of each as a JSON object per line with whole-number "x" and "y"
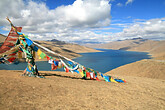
{"x": 12, "y": 36}
{"x": 87, "y": 74}
{"x": 53, "y": 66}
{"x": 48, "y": 58}
{"x": 66, "y": 69}
{"x": 11, "y": 59}
{"x": 97, "y": 79}
{"x": 12, "y": 54}
{"x": 8, "y": 44}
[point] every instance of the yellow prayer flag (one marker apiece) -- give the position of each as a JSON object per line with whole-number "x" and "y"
{"x": 81, "y": 72}
{"x": 112, "y": 80}
{"x": 39, "y": 52}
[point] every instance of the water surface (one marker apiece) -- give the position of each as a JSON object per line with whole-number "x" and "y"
{"x": 100, "y": 61}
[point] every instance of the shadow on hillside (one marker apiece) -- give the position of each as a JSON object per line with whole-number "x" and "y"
{"x": 70, "y": 77}
{"x": 49, "y": 74}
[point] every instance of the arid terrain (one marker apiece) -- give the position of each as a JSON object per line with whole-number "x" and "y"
{"x": 62, "y": 90}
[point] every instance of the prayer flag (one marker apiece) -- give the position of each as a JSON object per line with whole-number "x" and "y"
{"x": 35, "y": 48}
{"x": 53, "y": 66}
{"x": 11, "y": 59}
{"x": 66, "y": 69}
{"x": 87, "y": 74}
{"x": 28, "y": 41}
{"x": 106, "y": 78}
{"x": 112, "y": 80}
{"x": 76, "y": 71}
{"x": 97, "y": 79}
{"x": 50, "y": 61}
{"x": 24, "y": 44}
{"x": 119, "y": 80}
{"x": 19, "y": 33}
{"x": 42, "y": 55}
{"x": 59, "y": 64}
{"x": 48, "y": 58}
{"x": 102, "y": 75}
{"x": 81, "y": 72}
{"x": 92, "y": 75}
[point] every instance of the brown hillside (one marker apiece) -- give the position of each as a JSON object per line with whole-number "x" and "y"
{"x": 60, "y": 91}
{"x": 156, "y": 48}
{"x": 125, "y": 44}
{"x": 145, "y": 68}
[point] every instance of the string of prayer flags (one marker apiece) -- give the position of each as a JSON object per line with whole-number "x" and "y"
{"x": 29, "y": 48}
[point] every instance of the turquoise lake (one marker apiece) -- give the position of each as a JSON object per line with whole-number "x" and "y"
{"x": 99, "y": 61}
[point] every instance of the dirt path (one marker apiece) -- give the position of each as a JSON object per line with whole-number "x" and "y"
{"x": 68, "y": 91}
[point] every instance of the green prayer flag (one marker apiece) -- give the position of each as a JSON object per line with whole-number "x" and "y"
{"x": 84, "y": 73}
{"x": 42, "y": 55}
{"x": 26, "y": 51}
{"x": 50, "y": 57}
{"x": 26, "y": 36}
{"x": 24, "y": 44}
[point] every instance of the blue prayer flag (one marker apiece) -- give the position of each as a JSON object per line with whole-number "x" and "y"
{"x": 27, "y": 69}
{"x": 29, "y": 42}
{"x": 119, "y": 80}
{"x": 107, "y": 78}
{"x": 35, "y": 48}
{"x": 101, "y": 75}
{"x": 19, "y": 33}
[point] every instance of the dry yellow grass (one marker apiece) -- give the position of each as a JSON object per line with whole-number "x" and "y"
{"x": 67, "y": 91}
{"x": 152, "y": 68}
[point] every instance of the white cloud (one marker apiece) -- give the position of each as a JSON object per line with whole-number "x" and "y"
{"x": 82, "y": 13}
{"x": 38, "y": 19}
{"x": 84, "y": 20}
{"x": 128, "y": 2}
{"x": 149, "y": 29}
{"x": 119, "y": 4}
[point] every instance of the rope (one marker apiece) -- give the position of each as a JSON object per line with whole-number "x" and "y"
{"x": 69, "y": 67}
{"x": 46, "y": 49}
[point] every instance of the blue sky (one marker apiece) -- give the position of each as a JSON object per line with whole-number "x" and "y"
{"x": 86, "y": 20}
{"x": 138, "y": 9}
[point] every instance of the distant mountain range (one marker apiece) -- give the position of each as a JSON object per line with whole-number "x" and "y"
{"x": 120, "y": 44}
{"x": 157, "y": 48}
